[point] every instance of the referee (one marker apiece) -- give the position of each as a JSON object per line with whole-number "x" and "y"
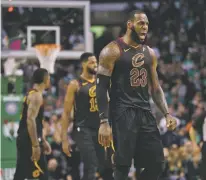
{"x": 199, "y": 125}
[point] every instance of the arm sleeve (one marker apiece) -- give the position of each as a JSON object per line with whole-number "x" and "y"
{"x": 102, "y": 86}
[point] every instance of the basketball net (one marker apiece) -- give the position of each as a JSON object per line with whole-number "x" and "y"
{"x": 47, "y": 54}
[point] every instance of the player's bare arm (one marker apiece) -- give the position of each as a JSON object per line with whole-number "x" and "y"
{"x": 66, "y": 118}
{"x": 34, "y": 102}
{"x": 158, "y": 94}
{"x": 108, "y": 56}
{"x": 156, "y": 90}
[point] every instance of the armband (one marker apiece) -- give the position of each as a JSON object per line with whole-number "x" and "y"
{"x": 102, "y": 86}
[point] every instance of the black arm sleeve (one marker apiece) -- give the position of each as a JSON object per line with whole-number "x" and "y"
{"x": 102, "y": 86}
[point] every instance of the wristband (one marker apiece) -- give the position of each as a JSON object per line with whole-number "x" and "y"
{"x": 102, "y": 116}
{"x": 103, "y": 121}
{"x": 102, "y": 86}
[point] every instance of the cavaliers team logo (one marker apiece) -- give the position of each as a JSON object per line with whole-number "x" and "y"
{"x": 93, "y": 99}
{"x": 137, "y": 60}
{"x": 92, "y": 91}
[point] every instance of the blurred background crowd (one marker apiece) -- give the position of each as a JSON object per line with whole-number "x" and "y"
{"x": 177, "y": 34}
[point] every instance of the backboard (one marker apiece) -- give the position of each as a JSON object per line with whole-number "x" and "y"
{"x": 37, "y": 22}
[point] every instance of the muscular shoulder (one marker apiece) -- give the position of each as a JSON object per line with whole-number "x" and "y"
{"x": 35, "y": 98}
{"x": 108, "y": 56}
{"x": 110, "y": 51}
{"x": 74, "y": 85}
{"x": 153, "y": 56}
{"x": 151, "y": 51}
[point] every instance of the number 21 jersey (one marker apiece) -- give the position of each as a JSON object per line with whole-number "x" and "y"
{"x": 129, "y": 81}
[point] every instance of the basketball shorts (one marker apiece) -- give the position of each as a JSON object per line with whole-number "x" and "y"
{"x": 92, "y": 153}
{"x": 26, "y": 169}
{"x": 137, "y": 137}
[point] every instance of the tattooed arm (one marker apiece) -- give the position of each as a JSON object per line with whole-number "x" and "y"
{"x": 158, "y": 94}
{"x": 108, "y": 56}
{"x": 34, "y": 102}
{"x": 66, "y": 119}
{"x": 156, "y": 90}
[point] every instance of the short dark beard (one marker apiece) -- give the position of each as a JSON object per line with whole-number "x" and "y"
{"x": 91, "y": 71}
{"x": 135, "y": 37}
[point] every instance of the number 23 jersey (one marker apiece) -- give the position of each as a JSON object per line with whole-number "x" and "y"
{"x": 85, "y": 105}
{"x": 129, "y": 81}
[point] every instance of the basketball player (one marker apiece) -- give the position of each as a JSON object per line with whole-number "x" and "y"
{"x": 199, "y": 125}
{"x": 31, "y": 145}
{"x": 81, "y": 94}
{"x": 130, "y": 66}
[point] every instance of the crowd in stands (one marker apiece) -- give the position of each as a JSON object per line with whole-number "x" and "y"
{"x": 177, "y": 34}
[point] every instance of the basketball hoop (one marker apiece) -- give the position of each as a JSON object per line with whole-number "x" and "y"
{"x": 47, "y": 54}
